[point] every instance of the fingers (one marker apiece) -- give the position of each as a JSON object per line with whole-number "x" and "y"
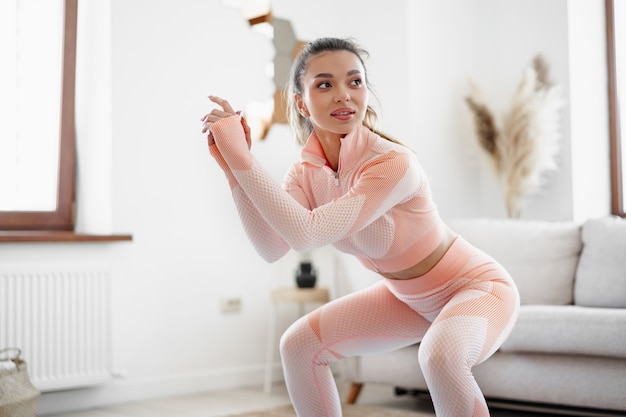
{"x": 213, "y": 117}
{"x": 223, "y": 104}
{"x": 216, "y": 114}
{"x": 246, "y": 130}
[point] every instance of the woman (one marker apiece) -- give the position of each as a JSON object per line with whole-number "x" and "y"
{"x": 367, "y": 195}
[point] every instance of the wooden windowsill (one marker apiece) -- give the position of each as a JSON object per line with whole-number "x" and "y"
{"x": 14, "y": 236}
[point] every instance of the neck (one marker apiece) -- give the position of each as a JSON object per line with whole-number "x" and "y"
{"x": 331, "y": 144}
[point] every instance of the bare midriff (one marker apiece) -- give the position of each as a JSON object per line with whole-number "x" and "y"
{"x": 427, "y": 263}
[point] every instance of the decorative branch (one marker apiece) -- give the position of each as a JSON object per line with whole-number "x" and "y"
{"x": 486, "y": 130}
{"x": 528, "y": 144}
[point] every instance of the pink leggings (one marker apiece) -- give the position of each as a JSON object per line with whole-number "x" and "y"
{"x": 461, "y": 311}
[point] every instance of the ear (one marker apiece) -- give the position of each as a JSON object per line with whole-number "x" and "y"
{"x": 300, "y": 105}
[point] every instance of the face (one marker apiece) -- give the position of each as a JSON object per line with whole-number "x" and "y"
{"x": 334, "y": 95}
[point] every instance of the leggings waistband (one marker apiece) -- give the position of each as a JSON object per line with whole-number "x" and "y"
{"x": 457, "y": 255}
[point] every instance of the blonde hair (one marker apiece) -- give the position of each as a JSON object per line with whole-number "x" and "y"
{"x": 301, "y": 125}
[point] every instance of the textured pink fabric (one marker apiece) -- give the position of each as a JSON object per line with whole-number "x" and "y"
{"x": 460, "y": 323}
{"x": 377, "y": 206}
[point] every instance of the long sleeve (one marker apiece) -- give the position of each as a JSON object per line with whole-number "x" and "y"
{"x": 272, "y": 247}
{"x": 382, "y": 184}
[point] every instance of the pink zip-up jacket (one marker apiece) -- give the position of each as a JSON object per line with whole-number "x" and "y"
{"x": 377, "y": 206}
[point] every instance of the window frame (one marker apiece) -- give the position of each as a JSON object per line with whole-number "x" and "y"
{"x": 617, "y": 186}
{"x": 62, "y": 218}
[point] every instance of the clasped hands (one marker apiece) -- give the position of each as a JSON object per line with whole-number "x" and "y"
{"x": 216, "y": 115}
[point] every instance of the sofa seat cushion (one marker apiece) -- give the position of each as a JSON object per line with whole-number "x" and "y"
{"x": 568, "y": 330}
{"x": 541, "y": 256}
{"x": 601, "y": 274}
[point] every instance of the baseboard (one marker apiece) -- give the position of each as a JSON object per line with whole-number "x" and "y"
{"x": 128, "y": 391}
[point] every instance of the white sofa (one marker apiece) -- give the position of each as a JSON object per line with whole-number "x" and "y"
{"x": 568, "y": 348}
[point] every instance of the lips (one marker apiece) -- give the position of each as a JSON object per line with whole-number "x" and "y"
{"x": 344, "y": 113}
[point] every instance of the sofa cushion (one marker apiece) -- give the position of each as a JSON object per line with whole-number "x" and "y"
{"x": 571, "y": 330}
{"x": 601, "y": 274}
{"x": 541, "y": 256}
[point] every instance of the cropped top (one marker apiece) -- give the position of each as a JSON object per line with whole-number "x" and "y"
{"x": 377, "y": 206}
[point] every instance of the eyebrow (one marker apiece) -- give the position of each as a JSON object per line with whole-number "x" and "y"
{"x": 328, "y": 75}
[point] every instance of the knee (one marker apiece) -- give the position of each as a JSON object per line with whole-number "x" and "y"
{"x": 430, "y": 357}
{"x": 301, "y": 344}
{"x": 440, "y": 356}
{"x": 294, "y": 341}
{"x": 287, "y": 340}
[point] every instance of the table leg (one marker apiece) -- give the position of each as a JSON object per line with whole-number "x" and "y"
{"x": 269, "y": 358}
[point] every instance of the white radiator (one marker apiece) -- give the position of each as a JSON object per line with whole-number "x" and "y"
{"x": 59, "y": 316}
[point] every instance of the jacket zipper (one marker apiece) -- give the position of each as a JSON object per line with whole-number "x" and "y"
{"x": 337, "y": 172}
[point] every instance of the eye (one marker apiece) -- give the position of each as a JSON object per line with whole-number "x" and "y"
{"x": 356, "y": 82}
{"x": 323, "y": 85}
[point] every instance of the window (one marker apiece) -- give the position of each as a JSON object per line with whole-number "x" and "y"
{"x": 16, "y": 211}
{"x": 616, "y": 59}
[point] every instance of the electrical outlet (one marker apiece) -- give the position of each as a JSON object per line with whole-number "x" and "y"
{"x": 120, "y": 374}
{"x": 230, "y": 304}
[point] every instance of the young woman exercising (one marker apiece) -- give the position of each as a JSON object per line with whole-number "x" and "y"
{"x": 367, "y": 195}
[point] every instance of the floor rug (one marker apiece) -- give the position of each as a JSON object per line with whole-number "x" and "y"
{"x": 348, "y": 411}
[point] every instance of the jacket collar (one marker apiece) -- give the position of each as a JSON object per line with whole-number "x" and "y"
{"x": 353, "y": 146}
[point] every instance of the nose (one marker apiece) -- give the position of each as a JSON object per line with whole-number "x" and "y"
{"x": 342, "y": 96}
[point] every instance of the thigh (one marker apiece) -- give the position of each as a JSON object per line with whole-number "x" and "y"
{"x": 367, "y": 321}
{"x": 479, "y": 317}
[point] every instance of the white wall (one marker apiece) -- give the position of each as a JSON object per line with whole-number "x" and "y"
{"x": 491, "y": 43}
{"x": 159, "y": 183}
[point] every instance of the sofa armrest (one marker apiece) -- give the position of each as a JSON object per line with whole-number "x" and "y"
{"x": 601, "y": 274}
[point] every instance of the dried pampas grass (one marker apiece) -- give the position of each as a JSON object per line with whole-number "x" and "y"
{"x": 484, "y": 122}
{"x": 526, "y": 147}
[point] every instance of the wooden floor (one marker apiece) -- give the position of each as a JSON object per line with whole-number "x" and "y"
{"x": 219, "y": 404}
